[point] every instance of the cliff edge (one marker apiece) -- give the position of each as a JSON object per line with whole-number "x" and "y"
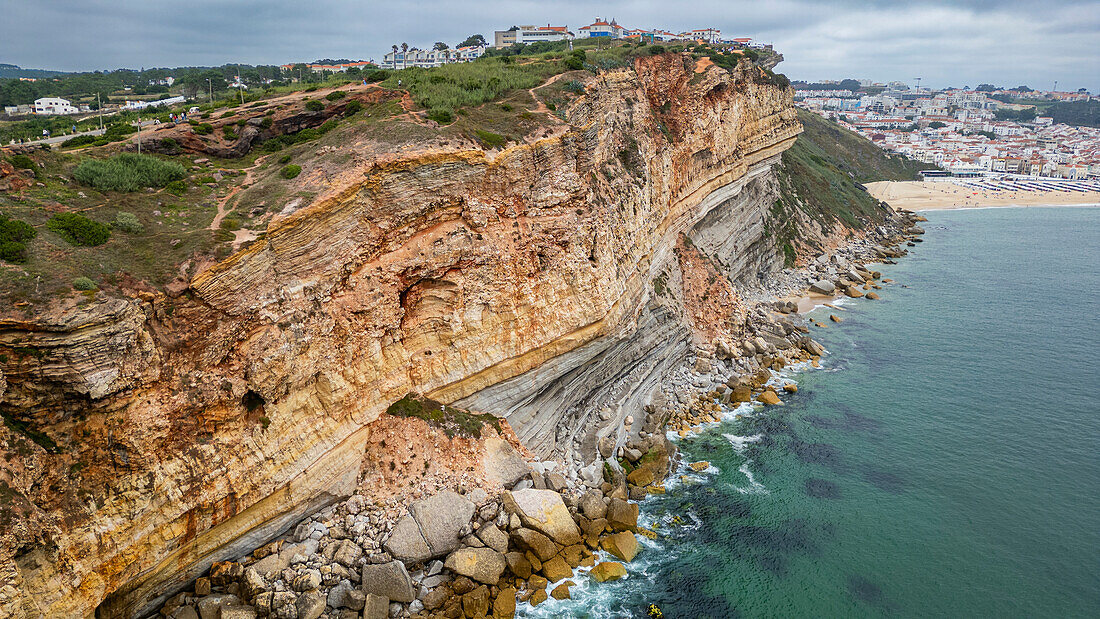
{"x": 551, "y": 283}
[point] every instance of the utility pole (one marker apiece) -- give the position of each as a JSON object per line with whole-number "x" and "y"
{"x": 139, "y": 133}
{"x": 99, "y": 105}
{"x": 918, "y": 83}
{"x": 210, "y": 92}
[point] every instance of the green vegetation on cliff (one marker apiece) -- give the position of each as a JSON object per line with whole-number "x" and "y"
{"x": 822, "y": 175}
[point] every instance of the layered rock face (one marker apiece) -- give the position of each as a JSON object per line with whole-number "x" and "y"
{"x": 177, "y": 431}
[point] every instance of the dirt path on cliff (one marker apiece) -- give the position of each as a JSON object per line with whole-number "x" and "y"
{"x": 539, "y": 105}
{"x": 232, "y": 192}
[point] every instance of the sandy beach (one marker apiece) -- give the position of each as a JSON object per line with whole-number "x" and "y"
{"x": 922, "y": 196}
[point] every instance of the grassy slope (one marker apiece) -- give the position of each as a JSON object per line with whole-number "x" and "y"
{"x": 822, "y": 176}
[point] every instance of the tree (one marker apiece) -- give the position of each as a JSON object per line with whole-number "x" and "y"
{"x": 986, "y": 88}
{"x": 473, "y": 40}
{"x": 849, "y": 84}
{"x": 439, "y": 46}
{"x": 935, "y": 124}
{"x": 404, "y": 55}
{"x": 1022, "y": 89}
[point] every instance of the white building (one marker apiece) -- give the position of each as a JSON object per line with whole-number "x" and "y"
{"x": 427, "y": 58}
{"x": 141, "y": 105}
{"x": 534, "y": 34}
{"x": 54, "y": 105}
{"x": 708, "y": 35}
{"x": 601, "y": 29}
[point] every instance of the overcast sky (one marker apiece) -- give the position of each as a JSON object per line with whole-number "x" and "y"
{"x": 946, "y": 42}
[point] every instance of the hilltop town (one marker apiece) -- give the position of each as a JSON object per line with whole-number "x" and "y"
{"x": 968, "y": 132}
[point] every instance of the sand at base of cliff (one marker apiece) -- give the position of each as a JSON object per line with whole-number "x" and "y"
{"x": 921, "y": 196}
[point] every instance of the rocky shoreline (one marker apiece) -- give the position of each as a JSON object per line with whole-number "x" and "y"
{"x": 469, "y": 549}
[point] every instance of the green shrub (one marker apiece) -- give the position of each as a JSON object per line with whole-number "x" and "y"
{"x": 80, "y": 140}
{"x": 23, "y": 162}
{"x": 178, "y": 188}
{"x": 336, "y": 95}
{"x": 284, "y": 159}
{"x": 505, "y": 107}
{"x": 203, "y": 129}
{"x": 242, "y": 122}
{"x": 377, "y": 75}
{"x": 441, "y": 116}
{"x": 574, "y": 87}
{"x": 352, "y": 107}
{"x": 291, "y": 171}
{"x": 128, "y": 222}
{"x": 266, "y": 123}
{"x": 119, "y": 130}
{"x": 311, "y": 88}
{"x": 230, "y": 223}
{"x": 205, "y": 115}
{"x": 327, "y": 126}
{"x": 574, "y": 61}
{"x": 467, "y": 84}
{"x": 14, "y": 235}
{"x": 83, "y": 283}
{"x": 128, "y": 172}
{"x": 229, "y": 133}
{"x": 170, "y": 144}
{"x": 203, "y": 180}
{"x": 655, "y": 50}
{"x": 490, "y": 139}
{"x": 79, "y": 230}
{"x": 314, "y": 105}
{"x": 227, "y": 114}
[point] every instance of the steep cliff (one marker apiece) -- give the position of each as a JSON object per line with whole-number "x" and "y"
{"x": 147, "y": 437}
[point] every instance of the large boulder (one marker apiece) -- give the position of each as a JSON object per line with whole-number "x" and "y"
{"x": 592, "y": 505}
{"x": 529, "y": 539}
{"x": 442, "y": 518}
{"x": 769, "y": 398}
{"x": 502, "y": 463}
{"x": 376, "y": 607}
{"x": 407, "y": 543}
{"x": 556, "y": 569}
{"x": 608, "y": 570}
{"x": 623, "y": 545}
{"x": 310, "y": 605}
{"x": 389, "y": 580}
{"x": 622, "y": 515}
{"x": 823, "y": 286}
{"x": 544, "y": 510}
{"x": 210, "y": 606}
{"x": 493, "y": 537}
{"x": 481, "y": 564}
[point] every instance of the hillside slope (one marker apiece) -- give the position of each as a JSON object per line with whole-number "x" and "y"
{"x": 821, "y": 179}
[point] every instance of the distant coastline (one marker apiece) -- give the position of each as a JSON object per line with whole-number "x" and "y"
{"x": 924, "y": 196}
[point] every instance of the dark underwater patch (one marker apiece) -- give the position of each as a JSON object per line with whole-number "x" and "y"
{"x": 684, "y": 592}
{"x": 886, "y": 481}
{"x": 822, "y": 423}
{"x": 822, "y": 488}
{"x": 861, "y": 588}
{"x": 816, "y": 453}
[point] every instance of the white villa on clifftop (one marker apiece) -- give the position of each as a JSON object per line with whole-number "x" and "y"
{"x": 54, "y": 105}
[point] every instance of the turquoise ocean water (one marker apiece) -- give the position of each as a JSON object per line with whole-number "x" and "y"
{"x": 945, "y": 461}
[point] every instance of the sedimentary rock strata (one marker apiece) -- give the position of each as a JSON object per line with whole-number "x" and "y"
{"x": 542, "y": 283}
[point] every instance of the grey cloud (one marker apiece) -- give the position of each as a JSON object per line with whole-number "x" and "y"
{"x": 944, "y": 41}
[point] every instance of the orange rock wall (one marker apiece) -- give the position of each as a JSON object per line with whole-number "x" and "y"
{"x": 191, "y": 429}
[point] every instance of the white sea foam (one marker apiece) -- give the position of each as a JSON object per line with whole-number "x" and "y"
{"x": 755, "y": 487}
{"x": 739, "y": 442}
